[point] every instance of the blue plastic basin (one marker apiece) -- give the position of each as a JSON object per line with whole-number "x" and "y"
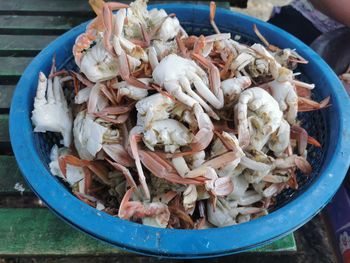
{"x": 31, "y": 151}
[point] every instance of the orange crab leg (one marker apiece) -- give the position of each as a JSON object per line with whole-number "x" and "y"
{"x": 264, "y": 40}
{"x": 100, "y": 170}
{"x": 214, "y": 74}
{"x": 108, "y": 94}
{"x": 301, "y": 135}
{"x": 120, "y": 119}
{"x": 118, "y": 154}
{"x": 128, "y": 208}
{"x": 224, "y": 71}
{"x": 305, "y": 105}
{"x": 180, "y": 44}
{"x": 162, "y": 169}
{"x": 124, "y": 71}
{"x": 72, "y": 160}
{"x": 76, "y": 84}
{"x": 133, "y": 140}
{"x": 182, "y": 215}
{"x": 125, "y": 172}
{"x": 313, "y": 141}
{"x": 107, "y": 13}
{"x": 212, "y": 17}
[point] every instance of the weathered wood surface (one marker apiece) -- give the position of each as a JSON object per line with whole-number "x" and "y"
{"x": 5, "y": 145}
{"x": 25, "y": 28}
{"x": 10, "y": 175}
{"x": 68, "y": 7}
{"x": 6, "y": 92}
{"x": 40, "y": 232}
{"x": 12, "y": 68}
{"x": 41, "y": 25}
{"x": 22, "y": 45}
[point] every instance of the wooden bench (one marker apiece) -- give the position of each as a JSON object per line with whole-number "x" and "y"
{"x": 27, "y": 228}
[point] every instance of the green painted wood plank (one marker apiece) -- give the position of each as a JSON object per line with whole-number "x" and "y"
{"x": 5, "y": 145}
{"x": 38, "y": 232}
{"x": 10, "y": 175}
{"x": 63, "y": 6}
{"x": 286, "y": 243}
{"x": 6, "y": 92}
{"x": 12, "y": 24}
{"x": 4, "y": 128}
{"x": 11, "y": 68}
{"x": 45, "y": 6}
{"x": 23, "y": 45}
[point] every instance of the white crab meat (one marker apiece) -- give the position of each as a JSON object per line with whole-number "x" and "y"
{"x": 224, "y": 214}
{"x": 164, "y": 48}
{"x": 240, "y": 187}
{"x": 176, "y": 74}
{"x": 83, "y": 95}
{"x": 131, "y": 91}
{"x": 51, "y": 112}
{"x": 74, "y": 174}
{"x": 154, "y": 20}
{"x": 153, "y": 108}
{"x": 169, "y": 29}
{"x": 257, "y": 102}
{"x": 88, "y": 136}
{"x": 190, "y": 197}
{"x": 97, "y": 64}
{"x": 160, "y": 220}
{"x": 233, "y": 87}
{"x": 280, "y": 139}
{"x": 169, "y": 133}
{"x": 284, "y": 93}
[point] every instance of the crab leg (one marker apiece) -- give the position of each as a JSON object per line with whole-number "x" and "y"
{"x": 187, "y": 87}
{"x": 212, "y": 17}
{"x": 305, "y": 104}
{"x": 205, "y": 134}
{"x": 218, "y": 186}
{"x": 96, "y": 100}
{"x": 108, "y": 21}
{"x": 118, "y": 154}
{"x": 100, "y": 170}
{"x": 302, "y": 138}
{"x": 214, "y": 78}
{"x": 162, "y": 169}
{"x": 215, "y": 163}
{"x": 133, "y": 140}
{"x": 120, "y": 119}
{"x": 128, "y": 208}
{"x": 124, "y": 71}
{"x": 152, "y": 56}
{"x": 72, "y": 160}
{"x": 136, "y": 209}
{"x": 125, "y": 172}
{"x": 182, "y": 47}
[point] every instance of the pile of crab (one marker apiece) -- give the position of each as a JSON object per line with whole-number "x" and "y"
{"x": 172, "y": 130}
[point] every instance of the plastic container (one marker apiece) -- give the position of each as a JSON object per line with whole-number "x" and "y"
{"x": 330, "y": 126}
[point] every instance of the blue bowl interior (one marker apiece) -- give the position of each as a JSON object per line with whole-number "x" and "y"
{"x": 293, "y": 208}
